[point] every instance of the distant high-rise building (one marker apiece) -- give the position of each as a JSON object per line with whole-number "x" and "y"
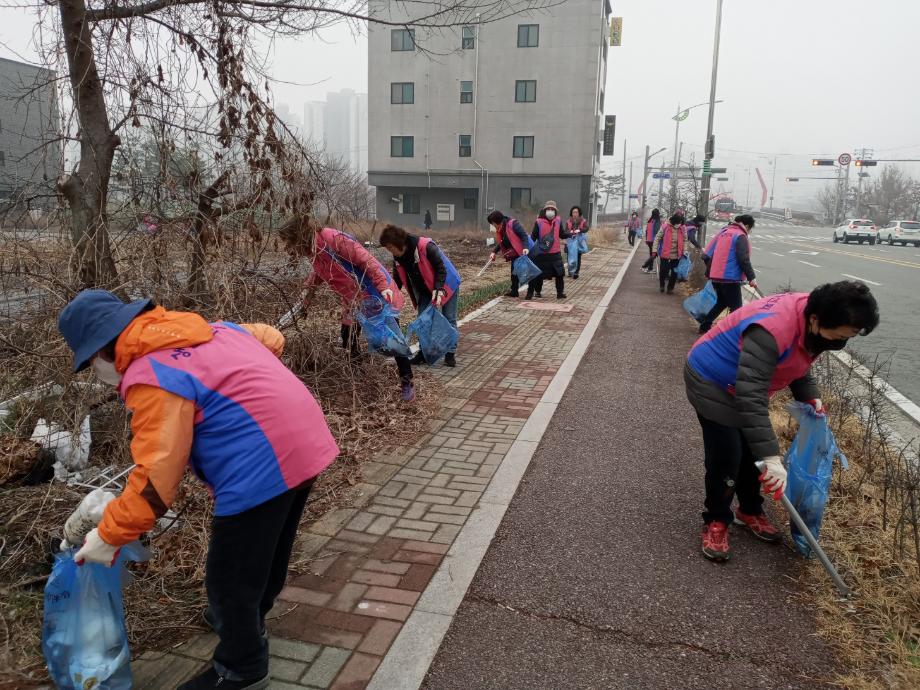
{"x": 30, "y": 156}
{"x": 506, "y": 114}
{"x": 345, "y": 127}
{"x": 314, "y": 117}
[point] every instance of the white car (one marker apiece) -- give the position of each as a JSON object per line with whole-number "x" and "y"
{"x": 857, "y": 229}
{"x": 903, "y": 231}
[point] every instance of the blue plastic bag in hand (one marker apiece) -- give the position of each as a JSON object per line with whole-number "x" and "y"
{"x": 810, "y": 464}
{"x": 582, "y": 242}
{"x": 436, "y": 337}
{"x": 571, "y": 253}
{"x": 525, "y": 270}
{"x": 83, "y": 636}
{"x": 700, "y": 304}
{"x": 683, "y": 268}
{"x": 381, "y": 329}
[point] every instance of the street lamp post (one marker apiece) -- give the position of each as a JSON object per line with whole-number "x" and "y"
{"x": 710, "y": 144}
{"x": 681, "y": 115}
{"x": 645, "y": 177}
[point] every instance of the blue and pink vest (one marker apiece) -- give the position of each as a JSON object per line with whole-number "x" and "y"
{"x": 258, "y": 430}
{"x": 724, "y": 266}
{"x": 667, "y": 237}
{"x": 715, "y": 356}
{"x": 451, "y": 282}
{"x": 517, "y": 247}
{"x": 651, "y": 229}
{"x": 548, "y": 234}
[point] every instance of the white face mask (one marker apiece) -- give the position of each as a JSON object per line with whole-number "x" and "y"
{"x": 550, "y": 214}
{"x": 105, "y": 371}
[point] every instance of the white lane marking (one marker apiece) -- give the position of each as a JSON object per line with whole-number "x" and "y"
{"x": 777, "y": 254}
{"x": 863, "y": 280}
{"x": 808, "y": 263}
{"x": 800, "y": 251}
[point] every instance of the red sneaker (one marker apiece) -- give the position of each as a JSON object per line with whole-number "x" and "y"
{"x": 760, "y": 526}
{"x": 715, "y": 541}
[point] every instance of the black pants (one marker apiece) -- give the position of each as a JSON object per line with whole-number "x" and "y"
{"x": 727, "y": 295}
{"x": 536, "y": 285}
{"x": 247, "y": 565}
{"x": 667, "y": 271}
{"x": 350, "y": 342}
{"x": 730, "y": 471}
{"x": 631, "y": 236}
{"x": 515, "y": 283}
{"x": 651, "y": 258}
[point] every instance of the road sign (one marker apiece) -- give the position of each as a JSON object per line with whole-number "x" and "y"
{"x": 661, "y": 176}
{"x": 718, "y": 171}
{"x": 844, "y": 158}
{"x": 721, "y": 179}
{"x": 610, "y": 125}
{"x": 633, "y": 196}
{"x": 616, "y": 31}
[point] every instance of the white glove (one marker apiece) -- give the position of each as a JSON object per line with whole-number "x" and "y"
{"x": 96, "y": 551}
{"x": 387, "y": 295}
{"x": 437, "y": 297}
{"x": 819, "y": 407}
{"x": 87, "y": 515}
{"x": 525, "y": 252}
{"x": 774, "y": 476}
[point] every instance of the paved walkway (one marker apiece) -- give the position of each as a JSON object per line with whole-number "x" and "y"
{"x": 374, "y": 560}
{"x": 594, "y": 578}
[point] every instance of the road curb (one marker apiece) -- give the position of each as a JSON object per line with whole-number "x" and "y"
{"x": 407, "y": 662}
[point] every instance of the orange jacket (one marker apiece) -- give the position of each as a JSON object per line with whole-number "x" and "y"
{"x": 162, "y": 424}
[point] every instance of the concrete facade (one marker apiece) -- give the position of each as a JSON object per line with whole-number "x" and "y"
{"x": 30, "y": 159}
{"x": 564, "y": 117}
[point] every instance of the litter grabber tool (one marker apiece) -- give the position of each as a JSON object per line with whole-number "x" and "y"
{"x": 812, "y": 542}
{"x": 483, "y": 269}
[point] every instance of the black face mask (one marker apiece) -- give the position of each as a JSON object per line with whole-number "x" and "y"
{"x": 816, "y": 344}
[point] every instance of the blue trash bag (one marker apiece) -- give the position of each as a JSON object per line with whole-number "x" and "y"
{"x": 381, "y": 329}
{"x": 436, "y": 337}
{"x": 525, "y": 270}
{"x": 683, "y": 268}
{"x": 700, "y": 304}
{"x": 571, "y": 252}
{"x": 810, "y": 464}
{"x": 582, "y": 243}
{"x": 84, "y": 639}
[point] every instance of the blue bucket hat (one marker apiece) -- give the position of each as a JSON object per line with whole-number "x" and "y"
{"x": 93, "y": 319}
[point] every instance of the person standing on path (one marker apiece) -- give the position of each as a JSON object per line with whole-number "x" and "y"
{"x": 576, "y": 226}
{"x": 732, "y": 372}
{"x": 669, "y": 242}
{"x": 511, "y": 241}
{"x": 429, "y": 277}
{"x": 214, "y": 396}
{"x": 728, "y": 262}
{"x": 651, "y": 229}
{"x": 353, "y": 274}
{"x": 427, "y": 220}
{"x": 548, "y": 234}
{"x": 632, "y": 227}
{"x": 693, "y": 229}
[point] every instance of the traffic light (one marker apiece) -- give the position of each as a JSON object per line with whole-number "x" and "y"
{"x": 865, "y": 164}
{"x": 822, "y": 161}
{"x": 792, "y": 179}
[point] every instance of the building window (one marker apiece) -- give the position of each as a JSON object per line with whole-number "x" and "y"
{"x": 520, "y": 198}
{"x": 468, "y": 42}
{"x": 525, "y": 91}
{"x": 466, "y": 145}
{"x": 528, "y": 35}
{"x": 411, "y": 204}
{"x": 402, "y": 39}
{"x": 402, "y": 92}
{"x": 402, "y": 147}
{"x": 466, "y": 92}
{"x": 523, "y": 147}
{"x": 470, "y": 198}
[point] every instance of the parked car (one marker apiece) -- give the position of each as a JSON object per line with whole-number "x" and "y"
{"x": 858, "y": 229}
{"x": 903, "y": 231}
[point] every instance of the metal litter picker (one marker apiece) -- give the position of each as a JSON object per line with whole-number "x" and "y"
{"x": 812, "y": 542}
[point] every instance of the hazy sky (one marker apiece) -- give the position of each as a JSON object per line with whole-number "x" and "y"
{"x": 798, "y": 77}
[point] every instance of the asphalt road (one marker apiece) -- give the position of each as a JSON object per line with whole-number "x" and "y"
{"x": 800, "y": 257}
{"x": 595, "y": 578}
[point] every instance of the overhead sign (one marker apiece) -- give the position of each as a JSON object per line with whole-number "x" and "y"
{"x": 633, "y": 196}
{"x": 445, "y": 212}
{"x": 844, "y": 158}
{"x": 718, "y": 171}
{"x": 610, "y": 125}
{"x": 616, "y": 31}
{"x": 661, "y": 176}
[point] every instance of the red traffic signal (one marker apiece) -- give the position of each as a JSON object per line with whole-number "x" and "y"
{"x": 792, "y": 179}
{"x": 865, "y": 164}
{"x": 822, "y": 161}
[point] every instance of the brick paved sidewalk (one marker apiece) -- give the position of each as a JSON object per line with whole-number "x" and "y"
{"x": 374, "y": 559}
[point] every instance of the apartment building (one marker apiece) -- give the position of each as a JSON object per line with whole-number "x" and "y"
{"x": 502, "y": 114}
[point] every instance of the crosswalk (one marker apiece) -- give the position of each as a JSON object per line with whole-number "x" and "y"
{"x": 777, "y": 237}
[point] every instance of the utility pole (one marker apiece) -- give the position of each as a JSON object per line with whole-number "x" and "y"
{"x": 629, "y": 198}
{"x": 773, "y": 183}
{"x": 710, "y": 142}
{"x": 623, "y": 193}
{"x": 864, "y": 154}
{"x": 643, "y": 196}
{"x": 676, "y": 154}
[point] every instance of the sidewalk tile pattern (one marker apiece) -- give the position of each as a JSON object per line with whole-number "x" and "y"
{"x": 371, "y": 561}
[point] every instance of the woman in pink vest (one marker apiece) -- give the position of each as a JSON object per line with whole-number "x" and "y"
{"x": 576, "y": 226}
{"x": 511, "y": 241}
{"x": 669, "y": 247}
{"x": 651, "y": 229}
{"x": 547, "y": 234}
{"x": 429, "y": 277}
{"x": 216, "y": 397}
{"x": 352, "y": 272}
{"x": 732, "y": 372}
{"x": 632, "y": 227}
{"x": 728, "y": 263}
